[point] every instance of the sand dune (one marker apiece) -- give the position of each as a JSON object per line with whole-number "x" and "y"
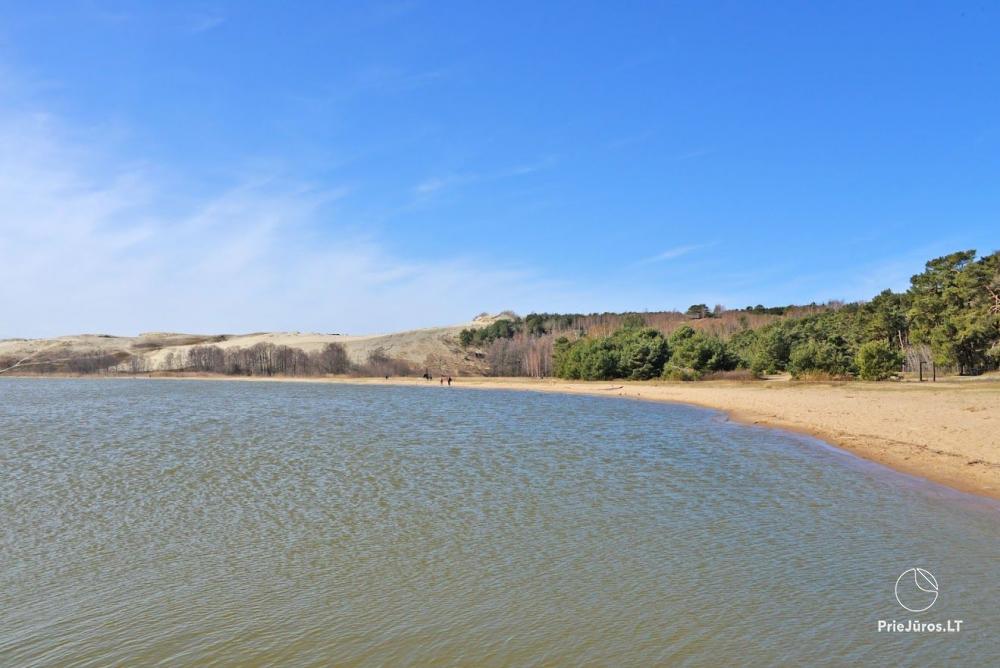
{"x": 159, "y": 348}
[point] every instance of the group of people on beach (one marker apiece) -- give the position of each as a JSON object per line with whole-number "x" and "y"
{"x": 427, "y": 376}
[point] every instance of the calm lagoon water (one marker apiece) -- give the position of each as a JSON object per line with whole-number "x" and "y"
{"x": 208, "y": 523}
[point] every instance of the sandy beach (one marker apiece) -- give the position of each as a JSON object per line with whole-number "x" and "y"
{"x": 947, "y": 432}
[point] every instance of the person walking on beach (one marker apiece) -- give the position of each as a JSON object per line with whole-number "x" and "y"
{"x": 449, "y": 381}
{"x": 442, "y": 380}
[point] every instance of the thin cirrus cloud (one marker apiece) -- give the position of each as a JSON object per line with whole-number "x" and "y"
{"x": 205, "y": 22}
{"x": 436, "y": 184}
{"x": 91, "y": 244}
{"x": 672, "y": 254}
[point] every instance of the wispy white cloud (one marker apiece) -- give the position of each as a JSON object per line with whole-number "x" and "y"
{"x": 672, "y": 253}
{"x": 435, "y": 184}
{"x": 391, "y": 11}
{"x": 91, "y": 243}
{"x": 630, "y": 140}
{"x": 692, "y": 154}
{"x": 205, "y": 22}
{"x": 386, "y": 79}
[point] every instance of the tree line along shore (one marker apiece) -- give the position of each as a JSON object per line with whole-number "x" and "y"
{"x": 947, "y": 321}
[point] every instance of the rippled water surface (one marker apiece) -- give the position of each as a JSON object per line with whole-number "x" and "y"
{"x": 202, "y": 523}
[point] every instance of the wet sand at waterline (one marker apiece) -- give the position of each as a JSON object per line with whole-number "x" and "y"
{"x": 947, "y": 432}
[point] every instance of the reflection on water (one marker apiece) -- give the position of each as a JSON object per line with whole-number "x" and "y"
{"x": 210, "y": 523}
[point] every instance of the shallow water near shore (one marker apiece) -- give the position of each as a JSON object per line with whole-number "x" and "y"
{"x": 210, "y": 523}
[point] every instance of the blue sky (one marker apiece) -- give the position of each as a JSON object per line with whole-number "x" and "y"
{"x": 369, "y": 167}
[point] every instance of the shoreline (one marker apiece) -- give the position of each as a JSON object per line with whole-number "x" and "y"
{"x": 946, "y": 432}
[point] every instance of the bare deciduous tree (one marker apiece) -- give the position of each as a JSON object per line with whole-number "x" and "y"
{"x": 332, "y": 359}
